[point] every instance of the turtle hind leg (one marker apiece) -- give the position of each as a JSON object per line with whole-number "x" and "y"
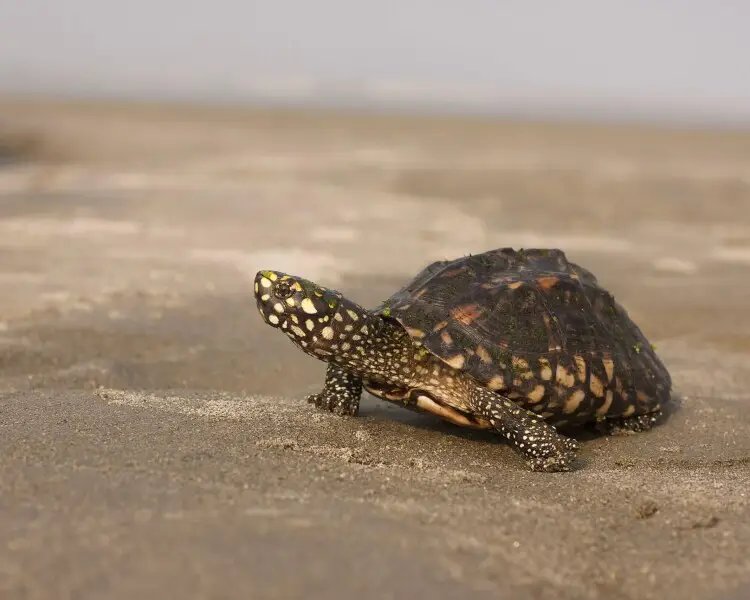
{"x": 543, "y": 448}
{"x": 628, "y": 425}
{"x": 340, "y": 394}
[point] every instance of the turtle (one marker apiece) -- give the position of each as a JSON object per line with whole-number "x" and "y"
{"x": 521, "y": 342}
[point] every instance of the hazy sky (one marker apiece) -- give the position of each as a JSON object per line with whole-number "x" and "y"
{"x": 672, "y": 56}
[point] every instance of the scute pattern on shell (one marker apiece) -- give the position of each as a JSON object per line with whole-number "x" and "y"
{"x": 537, "y": 328}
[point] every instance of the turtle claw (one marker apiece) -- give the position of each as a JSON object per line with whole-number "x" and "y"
{"x": 560, "y": 460}
{"x": 320, "y": 401}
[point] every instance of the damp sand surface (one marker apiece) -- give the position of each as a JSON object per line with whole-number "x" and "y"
{"x": 154, "y": 439}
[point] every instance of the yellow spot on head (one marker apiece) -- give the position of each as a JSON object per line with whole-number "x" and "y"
{"x": 278, "y": 307}
{"x": 265, "y": 282}
{"x": 290, "y": 301}
{"x": 269, "y": 275}
{"x": 308, "y": 306}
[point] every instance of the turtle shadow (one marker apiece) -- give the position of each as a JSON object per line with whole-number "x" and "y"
{"x": 384, "y": 411}
{"x": 582, "y": 432}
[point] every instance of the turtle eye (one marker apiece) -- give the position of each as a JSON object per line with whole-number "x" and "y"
{"x": 283, "y": 290}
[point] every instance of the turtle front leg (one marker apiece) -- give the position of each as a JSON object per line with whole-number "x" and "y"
{"x": 540, "y": 444}
{"x": 341, "y": 392}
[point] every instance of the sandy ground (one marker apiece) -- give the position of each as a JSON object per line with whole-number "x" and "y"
{"x": 153, "y": 437}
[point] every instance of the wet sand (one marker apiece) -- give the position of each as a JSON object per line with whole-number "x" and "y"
{"x": 153, "y": 434}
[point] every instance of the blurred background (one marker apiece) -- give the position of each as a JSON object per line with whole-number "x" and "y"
{"x": 355, "y": 141}
{"x": 588, "y": 59}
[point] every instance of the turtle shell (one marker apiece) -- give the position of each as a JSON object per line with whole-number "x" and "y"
{"x": 537, "y": 328}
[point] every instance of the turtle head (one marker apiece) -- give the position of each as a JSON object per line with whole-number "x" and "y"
{"x": 307, "y": 312}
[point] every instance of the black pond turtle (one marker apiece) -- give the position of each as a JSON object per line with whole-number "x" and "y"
{"x": 520, "y": 342}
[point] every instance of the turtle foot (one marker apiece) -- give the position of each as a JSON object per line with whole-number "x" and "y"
{"x": 629, "y": 425}
{"x": 338, "y": 405}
